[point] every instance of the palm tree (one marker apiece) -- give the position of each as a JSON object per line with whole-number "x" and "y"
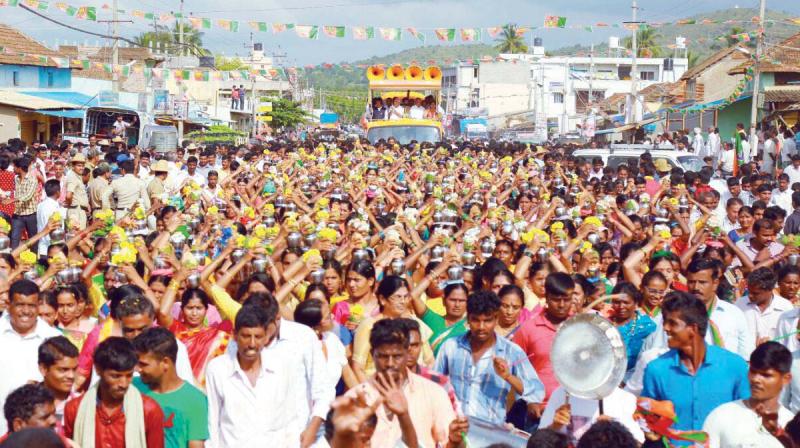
{"x": 192, "y": 39}
{"x": 510, "y": 41}
{"x": 693, "y": 58}
{"x": 158, "y": 39}
{"x": 646, "y": 42}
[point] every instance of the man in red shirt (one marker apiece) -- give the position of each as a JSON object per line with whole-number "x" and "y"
{"x": 116, "y": 401}
{"x": 536, "y": 335}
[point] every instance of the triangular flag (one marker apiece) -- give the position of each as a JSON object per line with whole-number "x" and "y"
{"x": 445, "y": 34}
{"x": 278, "y": 28}
{"x": 390, "y": 33}
{"x": 307, "y": 31}
{"x": 9, "y": 2}
{"x": 138, "y": 14}
{"x": 333, "y": 31}
{"x": 418, "y": 35}
{"x": 470, "y": 34}
{"x": 363, "y": 33}
{"x": 195, "y": 22}
{"x": 494, "y": 31}
{"x": 555, "y": 22}
{"x": 71, "y": 10}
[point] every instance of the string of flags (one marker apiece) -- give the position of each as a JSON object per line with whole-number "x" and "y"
{"x": 361, "y": 33}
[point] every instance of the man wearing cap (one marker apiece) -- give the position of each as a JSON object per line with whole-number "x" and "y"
{"x": 127, "y": 189}
{"x": 76, "y": 200}
{"x": 156, "y": 188}
{"x": 662, "y": 167}
{"x": 98, "y": 185}
{"x": 104, "y": 144}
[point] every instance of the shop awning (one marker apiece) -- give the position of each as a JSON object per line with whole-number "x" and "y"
{"x": 31, "y": 102}
{"x": 73, "y": 113}
{"x": 78, "y": 100}
{"x": 782, "y": 94}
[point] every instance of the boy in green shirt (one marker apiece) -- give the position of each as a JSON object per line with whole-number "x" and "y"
{"x": 185, "y": 406}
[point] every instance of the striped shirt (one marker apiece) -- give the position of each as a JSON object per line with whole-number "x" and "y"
{"x": 25, "y": 195}
{"x": 479, "y": 389}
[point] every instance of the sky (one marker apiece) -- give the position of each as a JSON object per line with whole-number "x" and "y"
{"x": 424, "y": 15}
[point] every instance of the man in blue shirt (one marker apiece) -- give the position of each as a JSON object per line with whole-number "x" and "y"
{"x": 694, "y": 376}
{"x": 483, "y": 367}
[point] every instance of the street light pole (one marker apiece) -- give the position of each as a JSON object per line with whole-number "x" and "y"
{"x": 114, "y": 49}
{"x": 634, "y": 67}
{"x": 757, "y": 73}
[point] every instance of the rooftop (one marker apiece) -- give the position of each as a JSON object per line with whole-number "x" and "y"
{"x": 13, "y": 41}
{"x": 783, "y": 57}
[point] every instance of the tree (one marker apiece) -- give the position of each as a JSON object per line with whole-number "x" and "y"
{"x": 168, "y": 40}
{"x": 693, "y": 57}
{"x": 225, "y": 64}
{"x": 646, "y": 43}
{"x": 192, "y": 39}
{"x": 286, "y": 113}
{"x": 510, "y": 41}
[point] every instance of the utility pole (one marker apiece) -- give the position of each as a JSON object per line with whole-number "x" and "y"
{"x": 181, "y": 50}
{"x": 114, "y": 45}
{"x": 757, "y": 72}
{"x": 634, "y": 68}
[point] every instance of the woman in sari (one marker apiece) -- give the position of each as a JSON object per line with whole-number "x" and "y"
{"x": 203, "y": 341}
{"x": 393, "y": 296}
{"x": 512, "y": 311}
{"x": 454, "y": 321}
{"x": 361, "y": 302}
{"x": 633, "y": 325}
{"x": 70, "y": 314}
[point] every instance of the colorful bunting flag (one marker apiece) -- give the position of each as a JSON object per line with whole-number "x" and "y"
{"x": 9, "y": 3}
{"x": 333, "y": 31}
{"x": 279, "y": 28}
{"x": 390, "y": 33}
{"x": 470, "y": 34}
{"x": 686, "y": 22}
{"x": 86, "y": 13}
{"x": 445, "y": 34}
{"x": 555, "y": 22}
{"x": 363, "y": 32}
{"x": 307, "y": 31}
{"x": 416, "y": 34}
{"x": 521, "y": 31}
{"x": 228, "y": 25}
{"x": 165, "y": 17}
{"x": 494, "y": 31}
{"x": 259, "y": 26}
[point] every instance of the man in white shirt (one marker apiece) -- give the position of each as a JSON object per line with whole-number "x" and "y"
{"x": 731, "y": 219}
{"x": 727, "y": 325}
{"x": 761, "y": 307}
{"x": 45, "y": 210}
{"x": 713, "y": 144}
{"x": 741, "y": 423}
{"x": 782, "y": 196}
{"x": 764, "y": 232}
{"x": 21, "y": 333}
{"x": 396, "y": 111}
{"x": 793, "y": 170}
{"x": 727, "y": 157}
{"x": 251, "y": 400}
{"x": 575, "y": 415}
{"x": 121, "y": 126}
{"x": 192, "y": 173}
{"x": 417, "y": 111}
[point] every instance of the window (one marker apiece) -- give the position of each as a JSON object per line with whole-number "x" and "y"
{"x": 49, "y": 79}
{"x": 475, "y": 72}
{"x": 647, "y": 76}
{"x": 15, "y": 78}
{"x": 624, "y": 72}
{"x": 558, "y": 98}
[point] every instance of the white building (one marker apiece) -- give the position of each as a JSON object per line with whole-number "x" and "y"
{"x": 563, "y": 85}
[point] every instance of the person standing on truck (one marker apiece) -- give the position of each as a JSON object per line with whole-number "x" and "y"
{"x": 121, "y": 126}
{"x": 76, "y": 200}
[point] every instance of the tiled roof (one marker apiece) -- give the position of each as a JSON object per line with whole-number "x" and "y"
{"x": 15, "y": 41}
{"x": 783, "y": 57}
{"x": 782, "y": 94}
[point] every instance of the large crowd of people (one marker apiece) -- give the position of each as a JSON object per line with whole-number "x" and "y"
{"x": 348, "y": 294}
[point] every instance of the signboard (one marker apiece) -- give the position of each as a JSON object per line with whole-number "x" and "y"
{"x": 264, "y": 109}
{"x": 264, "y": 118}
{"x": 161, "y": 101}
{"x": 107, "y": 98}
{"x": 180, "y": 109}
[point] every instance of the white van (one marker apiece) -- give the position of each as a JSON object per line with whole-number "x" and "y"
{"x": 618, "y": 154}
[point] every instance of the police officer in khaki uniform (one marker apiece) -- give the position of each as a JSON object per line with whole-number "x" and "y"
{"x": 99, "y": 185}
{"x": 127, "y": 189}
{"x": 156, "y": 188}
{"x": 76, "y": 200}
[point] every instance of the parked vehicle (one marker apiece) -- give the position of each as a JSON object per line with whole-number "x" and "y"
{"x": 616, "y": 155}
{"x": 162, "y": 138}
